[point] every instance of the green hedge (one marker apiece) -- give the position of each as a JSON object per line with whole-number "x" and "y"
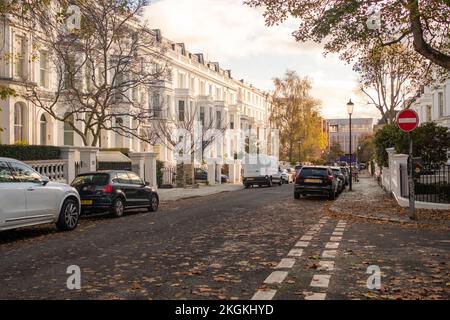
{"x": 159, "y": 172}
{"x": 30, "y": 153}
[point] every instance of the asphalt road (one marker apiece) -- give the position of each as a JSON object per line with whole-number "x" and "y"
{"x": 223, "y": 246}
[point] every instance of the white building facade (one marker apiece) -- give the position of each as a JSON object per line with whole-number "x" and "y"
{"x": 195, "y": 84}
{"x": 434, "y": 104}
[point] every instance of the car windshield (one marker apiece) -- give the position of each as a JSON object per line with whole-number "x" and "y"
{"x": 314, "y": 172}
{"x": 96, "y": 179}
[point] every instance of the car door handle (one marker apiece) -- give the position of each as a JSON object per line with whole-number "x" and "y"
{"x": 31, "y": 189}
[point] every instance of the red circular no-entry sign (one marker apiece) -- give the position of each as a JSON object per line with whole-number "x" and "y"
{"x": 407, "y": 120}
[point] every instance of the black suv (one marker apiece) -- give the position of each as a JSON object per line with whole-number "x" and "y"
{"x": 316, "y": 181}
{"x": 114, "y": 191}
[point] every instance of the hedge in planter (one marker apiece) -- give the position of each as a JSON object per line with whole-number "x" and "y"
{"x": 30, "y": 153}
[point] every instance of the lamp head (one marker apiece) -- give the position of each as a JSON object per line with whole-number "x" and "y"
{"x": 350, "y": 106}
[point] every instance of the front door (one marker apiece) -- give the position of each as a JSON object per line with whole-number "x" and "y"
{"x": 12, "y": 198}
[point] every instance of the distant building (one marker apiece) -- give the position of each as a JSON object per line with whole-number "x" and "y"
{"x": 339, "y": 132}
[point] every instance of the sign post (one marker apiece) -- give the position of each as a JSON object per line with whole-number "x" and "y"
{"x": 408, "y": 121}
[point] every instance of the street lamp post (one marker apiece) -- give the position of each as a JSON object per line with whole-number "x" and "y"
{"x": 350, "y": 106}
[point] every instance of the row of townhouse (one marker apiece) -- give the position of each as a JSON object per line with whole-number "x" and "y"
{"x": 434, "y": 104}
{"x": 195, "y": 84}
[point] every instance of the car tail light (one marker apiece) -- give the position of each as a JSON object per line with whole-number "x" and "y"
{"x": 298, "y": 178}
{"x": 107, "y": 189}
{"x": 330, "y": 179}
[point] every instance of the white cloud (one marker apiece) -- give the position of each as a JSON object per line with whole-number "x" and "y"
{"x": 223, "y": 28}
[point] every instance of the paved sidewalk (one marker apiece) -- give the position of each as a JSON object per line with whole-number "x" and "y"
{"x": 369, "y": 201}
{"x": 166, "y": 195}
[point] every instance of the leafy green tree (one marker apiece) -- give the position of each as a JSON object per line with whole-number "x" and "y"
{"x": 386, "y": 137}
{"x": 366, "y": 149}
{"x": 430, "y": 142}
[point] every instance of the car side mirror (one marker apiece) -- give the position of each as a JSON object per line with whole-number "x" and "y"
{"x": 45, "y": 180}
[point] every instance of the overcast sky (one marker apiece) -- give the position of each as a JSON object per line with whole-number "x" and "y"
{"x": 236, "y": 36}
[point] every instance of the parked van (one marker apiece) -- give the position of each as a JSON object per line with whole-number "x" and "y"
{"x": 261, "y": 170}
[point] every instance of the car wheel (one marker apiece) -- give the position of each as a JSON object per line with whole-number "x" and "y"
{"x": 270, "y": 183}
{"x": 69, "y": 215}
{"x": 154, "y": 204}
{"x": 297, "y": 195}
{"x": 280, "y": 183}
{"x": 118, "y": 208}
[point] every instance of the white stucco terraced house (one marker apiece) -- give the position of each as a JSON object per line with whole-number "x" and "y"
{"x": 434, "y": 104}
{"x": 196, "y": 83}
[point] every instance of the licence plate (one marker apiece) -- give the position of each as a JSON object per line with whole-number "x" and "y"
{"x": 313, "y": 181}
{"x": 250, "y": 179}
{"x": 86, "y": 202}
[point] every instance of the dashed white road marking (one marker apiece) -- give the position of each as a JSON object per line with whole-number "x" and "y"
{"x": 326, "y": 266}
{"x": 320, "y": 280}
{"x": 264, "y": 295}
{"x": 286, "y": 263}
{"x": 332, "y": 245}
{"x": 330, "y": 254}
{"x": 276, "y": 277}
{"x": 337, "y": 233}
{"x": 314, "y": 295}
{"x": 306, "y": 238}
{"x": 295, "y": 253}
{"x": 302, "y": 244}
{"x": 335, "y": 239}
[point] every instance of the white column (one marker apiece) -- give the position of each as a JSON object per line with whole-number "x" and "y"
{"x": 138, "y": 164}
{"x": 212, "y": 174}
{"x": 150, "y": 169}
{"x": 397, "y": 161}
{"x": 144, "y": 165}
{"x": 68, "y": 154}
{"x": 88, "y": 158}
{"x": 391, "y": 153}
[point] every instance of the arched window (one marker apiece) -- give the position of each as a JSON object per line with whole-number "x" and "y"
{"x": 43, "y": 126}
{"x": 18, "y": 122}
{"x": 68, "y": 130}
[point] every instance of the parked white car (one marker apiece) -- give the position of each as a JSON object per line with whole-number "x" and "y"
{"x": 287, "y": 175}
{"x": 27, "y": 198}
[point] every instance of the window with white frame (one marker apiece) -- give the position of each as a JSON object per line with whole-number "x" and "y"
{"x": 441, "y": 103}
{"x": 18, "y": 122}
{"x": 218, "y": 119}
{"x": 156, "y": 105}
{"x": 43, "y": 68}
{"x": 181, "y": 110}
{"x": 19, "y": 56}
{"x": 202, "y": 115}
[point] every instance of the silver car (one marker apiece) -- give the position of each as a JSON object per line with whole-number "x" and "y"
{"x": 27, "y": 198}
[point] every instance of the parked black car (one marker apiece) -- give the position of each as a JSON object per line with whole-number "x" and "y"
{"x": 202, "y": 175}
{"x": 318, "y": 180}
{"x": 115, "y": 191}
